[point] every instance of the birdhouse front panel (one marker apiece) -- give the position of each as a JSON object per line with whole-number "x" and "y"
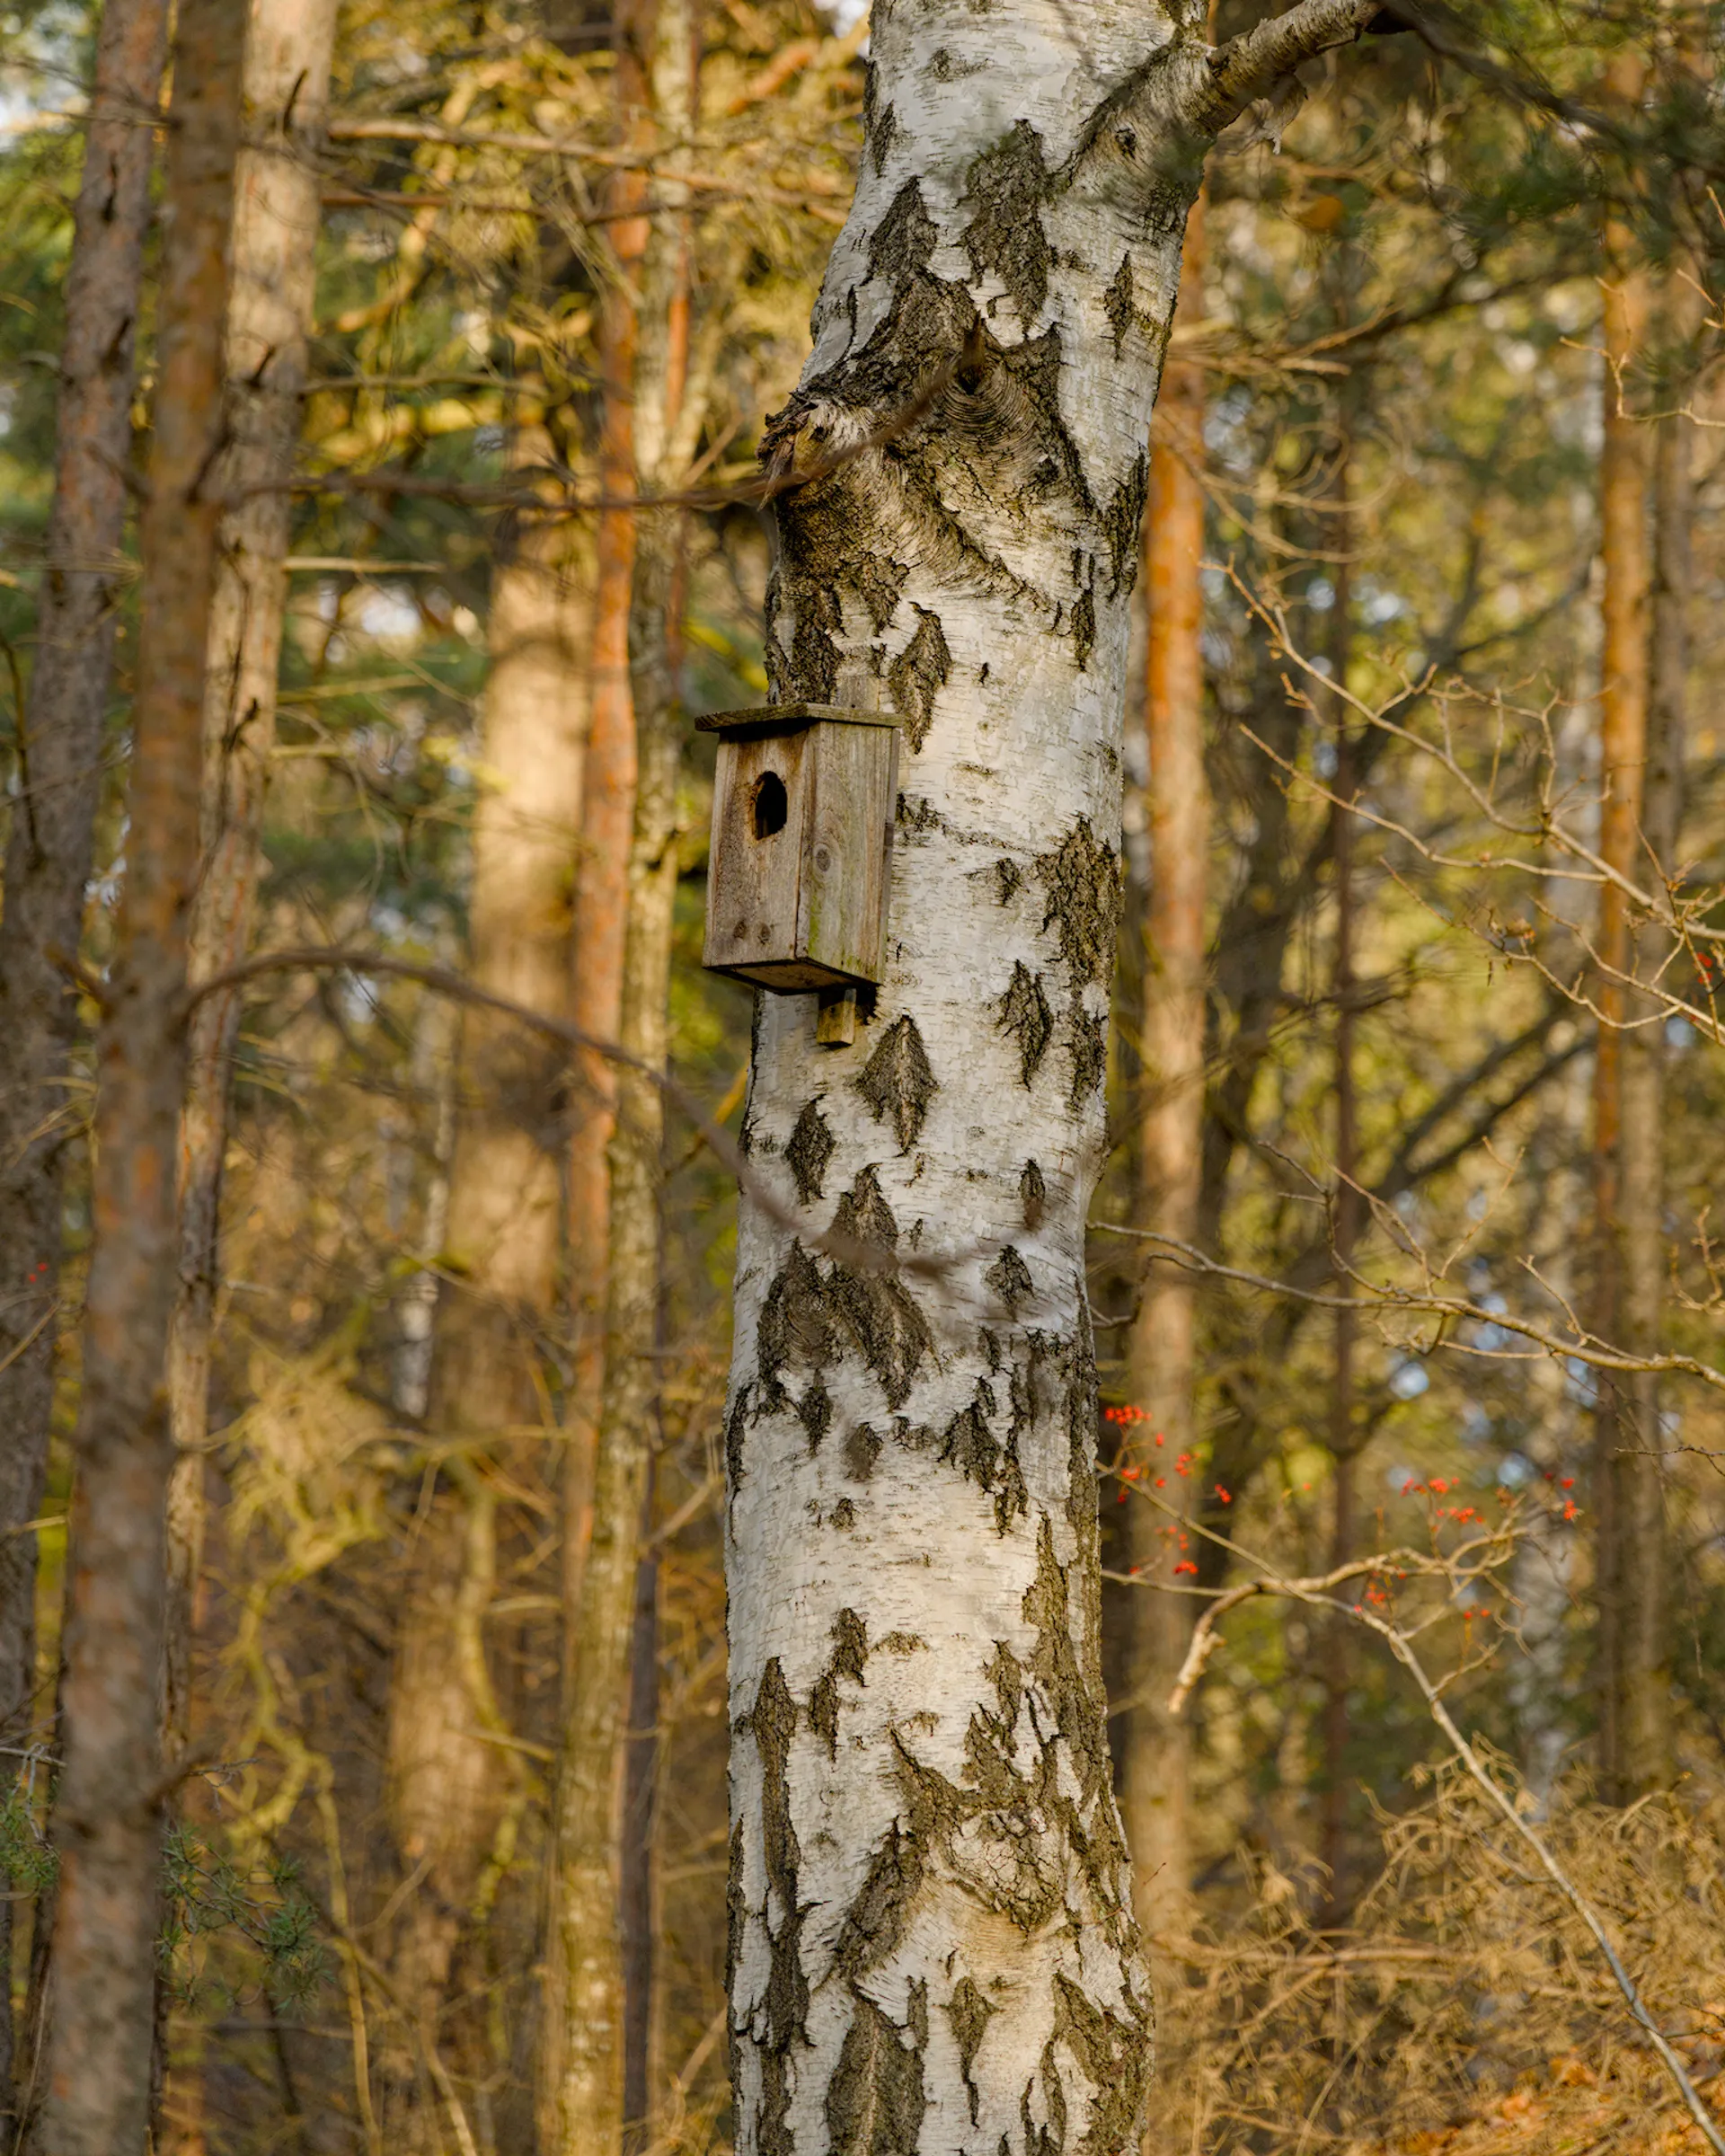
{"x": 797, "y": 876}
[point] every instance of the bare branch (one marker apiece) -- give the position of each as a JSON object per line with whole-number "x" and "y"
{"x": 1313, "y": 1592}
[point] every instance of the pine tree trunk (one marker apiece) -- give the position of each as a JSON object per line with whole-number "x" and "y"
{"x": 933, "y": 1947}
{"x": 1154, "y": 1745}
{"x": 601, "y": 890}
{"x": 108, "y": 1821}
{"x": 49, "y": 851}
{"x": 590, "y": 1847}
{"x": 501, "y": 1241}
{"x": 1623, "y": 754}
{"x": 276, "y": 219}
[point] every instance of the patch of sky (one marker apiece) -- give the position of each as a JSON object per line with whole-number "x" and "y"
{"x": 1408, "y": 1379}
{"x": 390, "y": 617}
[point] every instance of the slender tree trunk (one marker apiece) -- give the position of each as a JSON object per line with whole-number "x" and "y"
{"x": 276, "y": 219}
{"x": 601, "y": 888}
{"x": 933, "y": 1947}
{"x": 638, "y": 1913}
{"x": 1344, "y": 1438}
{"x": 1642, "y": 1721}
{"x": 49, "y": 845}
{"x": 451, "y": 1786}
{"x": 1622, "y": 754}
{"x": 592, "y": 2110}
{"x": 108, "y": 1822}
{"x": 1155, "y": 1747}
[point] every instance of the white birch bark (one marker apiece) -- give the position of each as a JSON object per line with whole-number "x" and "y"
{"x": 931, "y": 1939}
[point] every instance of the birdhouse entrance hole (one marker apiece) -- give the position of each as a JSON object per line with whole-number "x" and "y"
{"x": 772, "y": 804}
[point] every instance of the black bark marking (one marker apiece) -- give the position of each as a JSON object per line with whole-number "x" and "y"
{"x": 1119, "y": 304}
{"x": 1009, "y": 879}
{"x": 1084, "y": 628}
{"x": 905, "y": 238}
{"x": 810, "y": 667}
{"x": 863, "y": 1214}
{"x": 897, "y": 1081}
{"x": 970, "y": 1444}
{"x": 736, "y": 1422}
{"x": 746, "y": 1129}
{"x": 1010, "y": 1277}
{"x": 1024, "y": 1013}
{"x": 1122, "y": 524}
{"x": 1083, "y": 1419}
{"x": 774, "y": 1724}
{"x": 1021, "y": 1387}
{"x": 917, "y": 816}
{"x": 1038, "y": 429}
{"x": 736, "y": 1936}
{"x": 1081, "y": 880}
{"x": 842, "y": 1515}
{"x": 815, "y": 1411}
{"x": 880, "y": 128}
{"x": 1088, "y": 1046}
{"x": 1117, "y": 2059}
{"x": 1055, "y": 1670}
{"x": 877, "y": 582}
{"x": 795, "y": 1329}
{"x": 969, "y": 2013}
{"x": 875, "y": 2100}
{"x": 849, "y": 1655}
{"x": 888, "y": 1328}
{"x": 1007, "y": 185}
{"x": 862, "y": 1450}
{"x": 918, "y": 673}
{"x": 877, "y": 1920}
{"x": 1032, "y": 1194}
{"x": 811, "y": 1147}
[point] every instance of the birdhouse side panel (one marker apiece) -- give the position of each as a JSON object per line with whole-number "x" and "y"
{"x": 846, "y": 858}
{"x": 760, "y": 812}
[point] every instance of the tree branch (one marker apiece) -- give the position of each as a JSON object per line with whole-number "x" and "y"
{"x": 1251, "y": 66}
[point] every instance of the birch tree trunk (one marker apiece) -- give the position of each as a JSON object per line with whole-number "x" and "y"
{"x": 108, "y": 1821}
{"x": 49, "y": 845}
{"x": 932, "y": 1940}
{"x": 1155, "y": 1747}
{"x": 275, "y": 217}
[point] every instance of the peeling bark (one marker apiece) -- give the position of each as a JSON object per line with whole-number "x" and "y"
{"x": 108, "y": 1820}
{"x": 933, "y": 1947}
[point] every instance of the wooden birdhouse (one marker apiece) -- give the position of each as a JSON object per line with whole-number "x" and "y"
{"x": 797, "y": 876}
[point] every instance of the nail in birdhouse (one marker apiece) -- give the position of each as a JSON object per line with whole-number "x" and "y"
{"x": 802, "y": 808}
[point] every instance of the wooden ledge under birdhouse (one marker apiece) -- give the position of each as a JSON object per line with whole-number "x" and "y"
{"x": 799, "y": 870}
